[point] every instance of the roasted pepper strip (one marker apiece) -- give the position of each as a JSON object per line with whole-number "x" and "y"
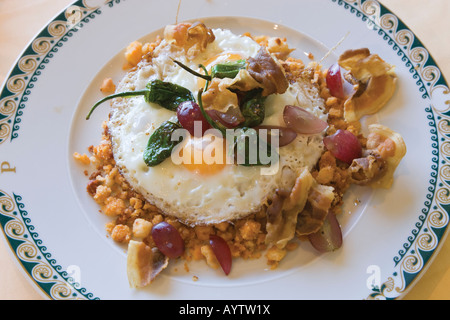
{"x": 166, "y": 94}
{"x": 228, "y": 69}
{"x": 160, "y": 144}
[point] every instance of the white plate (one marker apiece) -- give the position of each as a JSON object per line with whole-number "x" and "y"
{"x": 54, "y": 229}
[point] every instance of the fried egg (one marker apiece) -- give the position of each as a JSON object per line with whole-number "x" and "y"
{"x": 202, "y": 191}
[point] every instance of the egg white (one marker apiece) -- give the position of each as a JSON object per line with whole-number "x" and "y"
{"x": 232, "y": 193}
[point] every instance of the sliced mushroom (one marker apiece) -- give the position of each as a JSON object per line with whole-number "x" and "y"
{"x": 242, "y": 82}
{"x": 390, "y": 146}
{"x": 284, "y": 210}
{"x": 219, "y": 97}
{"x": 143, "y": 264}
{"x": 311, "y": 219}
{"x": 366, "y": 170}
{"x": 279, "y": 47}
{"x": 266, "y": 69}
{"x": 363, "y": 65}
{"x": 375, "y": 82}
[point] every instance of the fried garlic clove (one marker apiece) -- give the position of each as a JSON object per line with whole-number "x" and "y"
{"x": 143, "y": 264}
{"x": 375, "y": 81}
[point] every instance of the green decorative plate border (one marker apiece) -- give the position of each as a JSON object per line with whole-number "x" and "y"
{"x": 432, "y": 226}
{"x": 430, "y": 229}
{"x": 18, "y": 86}
{"x": 55, "y": 283}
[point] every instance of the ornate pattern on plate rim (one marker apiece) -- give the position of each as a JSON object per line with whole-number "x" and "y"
{"x": 430, "y": 229}
{"x": 29, "y": 66}
{"x": 24, "y": 241}
{"x": 56, "y": 283}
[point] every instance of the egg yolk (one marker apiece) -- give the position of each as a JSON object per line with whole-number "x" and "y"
{"x": 204, "y": 156}
{"x": 221, "y": 58}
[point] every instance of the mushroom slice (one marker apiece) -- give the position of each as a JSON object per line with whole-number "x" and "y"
{"x": 266, "y": 69}
{"x": 366, "y": 170}
{"x": 363, "y": 65}
{"x": 279, "y": 47}
{"x": 143, "y": 264}
{"x": 390, "y": 146}
{"x": 376, "y": 94}
{"x": 284, "y": 210}
{"x": 375, "y": 81}
{"x": 311, "y": 219}
{"x": 193, "y": 37}
{"x": 242, "y": 82}
{"x": 218, "y": 97}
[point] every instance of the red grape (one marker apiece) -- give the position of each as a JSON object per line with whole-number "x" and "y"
{"x": 336, "y": 83}
{"x": 222, "y": 252}
{"x": 190, "y": 117}
{"x": 329, "y": 237}
{"x": 230, "y": 119}
{"x": 302, "y": 121}
{"x": 168, "y": 240}
{"x": 344, "y": 145}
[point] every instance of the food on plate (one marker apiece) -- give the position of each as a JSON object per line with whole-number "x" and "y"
{"x": 373, "y": 79}
{"x": 221, "y": 146}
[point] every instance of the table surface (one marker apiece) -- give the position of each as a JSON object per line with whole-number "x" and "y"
{"x": 21, "y": 19}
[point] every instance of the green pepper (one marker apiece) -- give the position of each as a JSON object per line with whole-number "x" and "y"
{"x": 228, "y": 69}
{"x": 166, "y": 94}
{"x": 160, "y": 144}
{"x": 252, "y": 105}
{"x": 252, "y": 108}
{"x": 245, "y": 142}
{"x": 221, "y": 70}
{"x": 195, "y": 73}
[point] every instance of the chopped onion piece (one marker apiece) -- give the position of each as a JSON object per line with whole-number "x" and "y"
{"x": 302, "y": 121}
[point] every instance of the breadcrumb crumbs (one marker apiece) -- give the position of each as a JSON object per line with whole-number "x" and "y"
{"x": 275, "y": 255}
{"x": 133, "y": 53}
{"x": 114, "y": 206}
{"x": 83, "y": 158}
{"x": 121, "y": 233}
{"x": 142, "y": 228}
{"x": 250, "y": 230}
{"x": 108, "y": 86}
